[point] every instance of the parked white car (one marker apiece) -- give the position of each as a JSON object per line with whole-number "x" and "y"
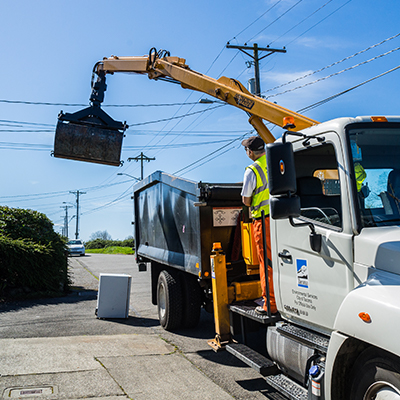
{"x": 76, "y": 247}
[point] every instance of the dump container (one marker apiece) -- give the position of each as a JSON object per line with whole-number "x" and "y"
{"x": 178, "y": 220}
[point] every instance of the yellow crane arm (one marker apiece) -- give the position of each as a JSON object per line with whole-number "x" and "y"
{"x": 225, "y": 89}
{"x": 92, "y": 135}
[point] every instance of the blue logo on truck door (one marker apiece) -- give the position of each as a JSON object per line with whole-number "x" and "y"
{"x": 302, "y": 273}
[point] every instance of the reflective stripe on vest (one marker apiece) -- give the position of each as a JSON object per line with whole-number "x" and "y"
{"x": 260, "y": 197}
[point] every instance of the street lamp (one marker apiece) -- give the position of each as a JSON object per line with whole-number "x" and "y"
{"x": 133, "y": 177}
{"x": 209, "y": 101}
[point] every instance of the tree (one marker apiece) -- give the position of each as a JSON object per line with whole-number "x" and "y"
{"x": 100, "y": 235}
{"x": 33, "y": 257}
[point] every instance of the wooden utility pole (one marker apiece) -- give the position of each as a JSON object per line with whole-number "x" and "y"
{"x": 77, "y": 193}
{"x": 142, "y": 158}
{"x": 256, "y": 60}
{"x": 66, "y": 220}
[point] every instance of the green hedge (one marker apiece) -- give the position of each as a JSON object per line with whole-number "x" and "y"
{"x": 102, "y": 244}
{"x": 33, "y": 258}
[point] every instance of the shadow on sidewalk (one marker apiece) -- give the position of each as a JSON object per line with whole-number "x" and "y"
{"x": 76, "y": 295}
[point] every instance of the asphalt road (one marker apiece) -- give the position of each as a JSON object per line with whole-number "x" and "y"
{"x": 74, "y": 315}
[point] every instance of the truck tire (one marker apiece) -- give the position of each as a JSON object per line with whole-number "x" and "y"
{"x": 376, "y": 376}
{"x": 191, "y": 301}
{"x": 169, "y": 300}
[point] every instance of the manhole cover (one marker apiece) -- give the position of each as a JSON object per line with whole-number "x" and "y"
{"x": 33, "y": 391}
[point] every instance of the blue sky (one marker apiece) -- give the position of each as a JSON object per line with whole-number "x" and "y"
{"x": 49, "y": 47}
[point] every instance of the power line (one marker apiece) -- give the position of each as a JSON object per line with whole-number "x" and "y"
{"x": 39, "y": 103}
{"x": 27, "y": 130}
{"x": 25, "y": 123}
{"x": 333, "y": 64}
{"x": 193, "y": 133}
{"x": 176, "y": 117}
{"x": 276, "y": 19}
{"x": 323, "y": 19}
{"x": 47, "y": 147}
{"x": 315, "y": 105}
{"x": 210, "y": 154}
{"x": 215, "y": 60}
{"x": 299, "y": 23}
{"x": 132, "y": 131}
{"x": 335, "y": 74}
{"x": 37, "y": 196}
{"x": 119, "y": 198}
{"x": 24, "y": 146}
{"x": 177, "y": 145}
{"x": 248, "y": 26}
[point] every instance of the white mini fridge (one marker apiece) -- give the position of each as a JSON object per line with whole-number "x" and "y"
{"x": 113, "y": 296}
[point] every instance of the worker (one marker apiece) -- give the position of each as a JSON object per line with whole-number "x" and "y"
{"x": 360, "y": 175}
{"x": 255, "y": 194}
{"x": 359, "y": 172}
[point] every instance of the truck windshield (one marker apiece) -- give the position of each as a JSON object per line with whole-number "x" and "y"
{"x": 375, "y": 150}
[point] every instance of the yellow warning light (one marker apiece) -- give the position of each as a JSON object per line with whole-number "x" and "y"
{"x": 206, "y": 274}
{"x": 288, "y": 122}
{"x": 216, "y": 246}
{"x": 379, "y": 119}
{"x": 365, "y": 317}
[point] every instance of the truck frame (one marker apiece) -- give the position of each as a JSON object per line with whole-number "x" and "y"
{"x": 335, "y": 214}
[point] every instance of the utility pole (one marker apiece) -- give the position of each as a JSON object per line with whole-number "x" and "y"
{"x": 77, "y": 193}
{"x": 256, "y": 60}
{"x": 142, "y": 158}
{"x": 66, "y": 220}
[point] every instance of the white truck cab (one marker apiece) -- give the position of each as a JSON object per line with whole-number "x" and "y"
{"x": 347, "y": 190}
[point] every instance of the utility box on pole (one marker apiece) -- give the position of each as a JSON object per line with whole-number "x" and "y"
{"x": 251, "y": 85}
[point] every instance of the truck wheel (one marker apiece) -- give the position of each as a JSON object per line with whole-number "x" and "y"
{"x": 191, "y": 301}
{"x": 169, "y": 300}
{"x": 376, "y": 376}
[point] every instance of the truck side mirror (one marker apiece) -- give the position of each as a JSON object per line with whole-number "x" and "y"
{"x": 282, "y": 181}
{"x": 283, "y": 202}
{"x": 281, "y": 169}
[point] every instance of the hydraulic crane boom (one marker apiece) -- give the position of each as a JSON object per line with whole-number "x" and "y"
{"x": 225, "y": 89}
{"x": 162, "y": 66}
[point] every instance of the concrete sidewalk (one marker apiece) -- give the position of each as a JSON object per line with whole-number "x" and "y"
{"x": 119, "y": 365}
{"x": 97, "y": 367}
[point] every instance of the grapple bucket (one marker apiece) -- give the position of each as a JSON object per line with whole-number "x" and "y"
{"x": 89, "y": 135}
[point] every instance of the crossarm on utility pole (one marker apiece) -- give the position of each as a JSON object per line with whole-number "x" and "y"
{"x": 225, "y": 89}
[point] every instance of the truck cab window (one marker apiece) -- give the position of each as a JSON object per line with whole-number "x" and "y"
{"x": 377, "y": 173}
{"x": 318, "y": 185}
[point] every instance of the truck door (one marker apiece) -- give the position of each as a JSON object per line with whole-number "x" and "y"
{"x": 313, "y": 285}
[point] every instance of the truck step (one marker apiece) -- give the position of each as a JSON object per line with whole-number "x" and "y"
{"x": 261, "y": 364}
{"x": 246, "y": 310}
{"x": 311, "y": 339}
{"x": 287, "y": 387}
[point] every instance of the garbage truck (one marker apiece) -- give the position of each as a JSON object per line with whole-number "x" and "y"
{"x": 335, "y": 239}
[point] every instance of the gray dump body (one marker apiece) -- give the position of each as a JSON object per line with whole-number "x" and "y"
{"x": 177, "y": 221}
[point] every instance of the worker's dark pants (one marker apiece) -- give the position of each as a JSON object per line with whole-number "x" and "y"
{"x": 257, "y": 231}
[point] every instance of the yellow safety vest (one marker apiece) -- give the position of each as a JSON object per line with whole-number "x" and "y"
{"x": 360, "y": 175}
{"x": 260, "y": 197}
